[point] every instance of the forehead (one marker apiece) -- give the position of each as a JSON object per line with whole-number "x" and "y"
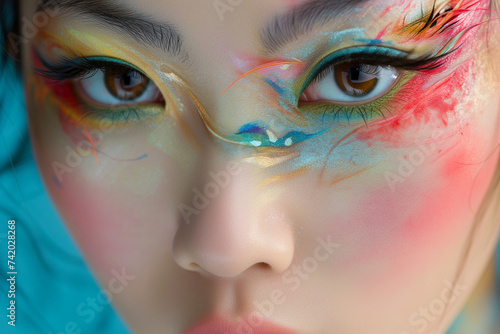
{"x": 242, "y": 23}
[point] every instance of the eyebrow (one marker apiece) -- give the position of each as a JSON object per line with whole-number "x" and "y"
{"x": 285, "y": 28}
{"x": 141, "y": 28}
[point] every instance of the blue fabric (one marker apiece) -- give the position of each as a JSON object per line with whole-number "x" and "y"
{"x": 52, "y": 278}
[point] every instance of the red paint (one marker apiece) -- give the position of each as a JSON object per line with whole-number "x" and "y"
{"x": 66, "y": 101}
{"x": 421, "y": 105}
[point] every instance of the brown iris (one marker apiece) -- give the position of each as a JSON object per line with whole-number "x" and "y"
{"x": 126, "y": 86}
{"x": 356, "y": 79}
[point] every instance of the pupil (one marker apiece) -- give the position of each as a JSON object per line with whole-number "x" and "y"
{"x": 130, "y": 79}
{"x": 127, "y": 86}
{"x": 353, "y": 79}
{"x": 354, "y": 73}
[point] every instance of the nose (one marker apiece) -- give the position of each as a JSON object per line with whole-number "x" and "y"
{"x": 231, "y": 226}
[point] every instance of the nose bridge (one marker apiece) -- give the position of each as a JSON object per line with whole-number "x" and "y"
{"x": 230, "y": 225}
{"x": 255, "y": 107}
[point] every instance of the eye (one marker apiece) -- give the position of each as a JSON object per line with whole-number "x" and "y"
{"x": 351, "y": 83}
{"x": 118, "y": 86}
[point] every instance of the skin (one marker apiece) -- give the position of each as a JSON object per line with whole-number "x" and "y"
{"x": 396, "y": 243}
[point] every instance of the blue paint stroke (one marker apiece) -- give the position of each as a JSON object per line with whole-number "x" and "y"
{"x": 56, "y": 181}
{"x": 280, "y": 90}
{"x": 252, "y": 135}
{"x": 371, "y": 41}
{"x": 254, "y": 127}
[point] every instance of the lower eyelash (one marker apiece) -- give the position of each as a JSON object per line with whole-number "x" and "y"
{"x": 117, "y": 116}
{"x": 382, "y": 108}
{"x": 127, "y": 115}
{"x": 353, "y": 111}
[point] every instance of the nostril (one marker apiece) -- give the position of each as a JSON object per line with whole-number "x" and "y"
{"x": 263, "y": 266}
{"x": 193, "y": 266}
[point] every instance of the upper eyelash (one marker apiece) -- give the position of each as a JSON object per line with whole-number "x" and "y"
{"x": 365, "y": 68}
{"x": 377, "y": 59}
{"x": 83, "y": 67}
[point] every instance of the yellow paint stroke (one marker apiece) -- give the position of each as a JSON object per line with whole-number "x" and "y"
{"x": 268, "y": 160}
{"x": 444, "y": 15}
{"x": 334, "y": 182}
{"x": 201, "y": 109}
{"x": 284, "y": 177}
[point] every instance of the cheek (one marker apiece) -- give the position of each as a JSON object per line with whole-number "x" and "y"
{"x": 116, "y": 226}
{"x": 411, "y": 214}
{"x": 118, "y": 211}
{"x": 418, "y": 226}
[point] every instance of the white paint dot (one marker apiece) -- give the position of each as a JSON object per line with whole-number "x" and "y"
{"x": 256, "y": 143}
{"x": 288, "y": 142}
{"x": 272, "y": 136}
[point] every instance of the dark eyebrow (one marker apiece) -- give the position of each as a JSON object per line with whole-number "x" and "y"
{"x": 287, "y": 27}
{"x": 141, "y": 28}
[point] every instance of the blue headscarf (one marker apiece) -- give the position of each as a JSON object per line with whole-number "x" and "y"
{"x": 52, "y": 279}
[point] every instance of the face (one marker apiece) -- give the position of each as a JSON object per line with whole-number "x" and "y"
{"x": 270, "y": 166}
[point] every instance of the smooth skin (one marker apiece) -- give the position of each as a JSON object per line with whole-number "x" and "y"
{"x": 331, "y": 248}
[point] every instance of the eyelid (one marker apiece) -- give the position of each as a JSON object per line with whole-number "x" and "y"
{"x": 67, "y": 68}
{"x": 376, "y": 55}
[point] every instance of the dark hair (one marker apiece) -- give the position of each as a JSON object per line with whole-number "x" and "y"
{"x": 9, "y": 23}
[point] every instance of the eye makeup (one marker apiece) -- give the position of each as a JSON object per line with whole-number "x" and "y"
{"x": 284, "y": 119}
{"x": 62, "y": 77}
{"x": 450, "y": 21}
{"x": 449, "y": 18}
{"x": 258, "y": 135}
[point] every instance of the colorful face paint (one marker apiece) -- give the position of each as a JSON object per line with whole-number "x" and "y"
{"x": 258, "y": 136}
{"x": 358, "y": 166}
{"x": 287, "y": 121}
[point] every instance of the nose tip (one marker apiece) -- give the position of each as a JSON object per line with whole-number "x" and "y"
{"x": 235, "y": 232}
{"x": 228, "y": 255}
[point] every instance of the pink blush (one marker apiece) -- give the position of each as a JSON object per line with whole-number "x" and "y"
{"x": 430, "y": 213}
{"x": 95, "y": 223}
{"x": 439, "y": 107}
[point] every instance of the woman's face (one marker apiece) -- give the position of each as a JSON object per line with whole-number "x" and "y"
{"x": 247, "y": 165}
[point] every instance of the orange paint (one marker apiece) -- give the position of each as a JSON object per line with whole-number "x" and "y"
{"x": 272, "y": 64}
